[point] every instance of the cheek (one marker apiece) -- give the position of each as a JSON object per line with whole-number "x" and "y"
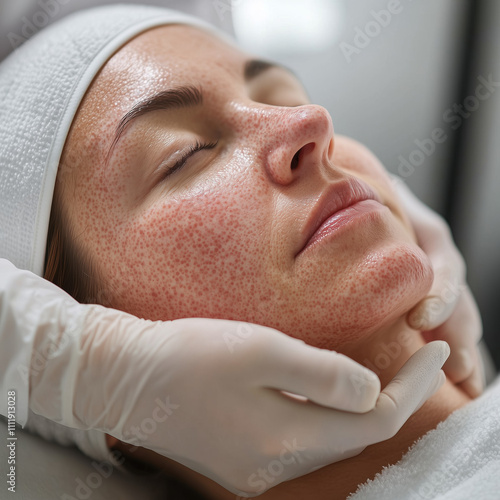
{"x": 200, "y": 256}
{"x": 356, "y": 159}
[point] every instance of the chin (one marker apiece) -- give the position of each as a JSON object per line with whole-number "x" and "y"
{"x": 395, "y": 278}
{"x": 343, "y": 309}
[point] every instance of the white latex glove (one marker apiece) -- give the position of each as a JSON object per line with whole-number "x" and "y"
{"x": 204, "y": 392}
{"x": 449, "y": 312}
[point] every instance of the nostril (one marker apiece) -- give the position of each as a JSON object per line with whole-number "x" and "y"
{"x": 295, "y": 159}
{"x": 305, "y": 150}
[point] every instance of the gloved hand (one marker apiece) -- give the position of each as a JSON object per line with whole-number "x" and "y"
{"x": 449, "y": 311}
{"x": 204, "y": 392}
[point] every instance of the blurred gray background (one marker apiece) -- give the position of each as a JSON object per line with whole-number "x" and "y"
{"x": 393, "y": 74}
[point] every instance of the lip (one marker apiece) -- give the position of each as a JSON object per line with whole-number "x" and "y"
{"x": 342, "y": 195}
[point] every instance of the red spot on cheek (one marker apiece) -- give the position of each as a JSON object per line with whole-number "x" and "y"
{"x": 192, "y": 259}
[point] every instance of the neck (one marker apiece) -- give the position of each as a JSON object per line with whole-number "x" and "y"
{"x": 385, "y": 352}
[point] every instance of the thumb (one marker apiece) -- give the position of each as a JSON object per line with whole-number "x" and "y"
{"x": 439, "y": 304}
{"x": 325, "y": 377}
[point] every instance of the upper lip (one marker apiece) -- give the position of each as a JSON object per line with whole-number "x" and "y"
{"x": 336, "y": 197}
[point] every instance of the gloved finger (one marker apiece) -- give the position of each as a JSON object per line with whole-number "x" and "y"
{"x": 419, "y": 378}
{"x": 415, "y": 382}
{"x": 440, "y": 302}
{"x": 475, "y": 383}
{"x": 325, "y": 377}
{"x": 336, "y": 435}
{"x": 462, "y": 332}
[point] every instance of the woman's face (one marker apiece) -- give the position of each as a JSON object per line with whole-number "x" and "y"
{"x": 228, "y": 233}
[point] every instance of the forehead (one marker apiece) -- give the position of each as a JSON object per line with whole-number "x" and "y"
{"x": 151, "y": 62}
{"x": 163, "y": 57}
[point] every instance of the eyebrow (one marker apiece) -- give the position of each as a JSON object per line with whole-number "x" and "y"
{"x": 185, "y": 96}
{"x": 254, "y": 67}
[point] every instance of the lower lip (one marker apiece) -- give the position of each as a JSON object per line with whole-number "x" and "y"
{"x": 344, "y": 218}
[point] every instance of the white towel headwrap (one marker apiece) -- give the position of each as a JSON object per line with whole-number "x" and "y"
{"x": 41, "y": 86}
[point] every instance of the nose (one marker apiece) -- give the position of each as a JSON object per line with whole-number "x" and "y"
{"x": 292, "y": 141}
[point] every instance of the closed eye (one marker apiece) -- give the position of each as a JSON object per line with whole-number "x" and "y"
{"x": 195, "y": 148}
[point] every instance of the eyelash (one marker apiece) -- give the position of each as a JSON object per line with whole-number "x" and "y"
{"x": 199, "y": 146}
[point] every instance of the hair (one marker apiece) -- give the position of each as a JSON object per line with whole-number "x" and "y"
{"x": 65, "y": 264}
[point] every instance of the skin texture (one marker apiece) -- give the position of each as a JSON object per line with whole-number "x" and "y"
{"x": 234, "y": 215}
{"x": 219, "y": 238}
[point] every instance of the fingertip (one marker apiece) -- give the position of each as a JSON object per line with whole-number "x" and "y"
{"x": 446, "y": 348}
{"x": 429, "y": 314}
{"x": 446, "y": 351}
{"x": 415, "y": 319}
{"x": 474, "y": 384}
{"x": 366, "y": 391}
{"x": 374, "y": 380}
{"x": 372, "y": 393}
{"x": 460, "y": 365}
{"x": 466, "y": 361}
{"x": 434, "y": 355}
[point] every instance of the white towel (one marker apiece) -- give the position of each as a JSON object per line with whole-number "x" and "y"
{"x": 459, "y": 460}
